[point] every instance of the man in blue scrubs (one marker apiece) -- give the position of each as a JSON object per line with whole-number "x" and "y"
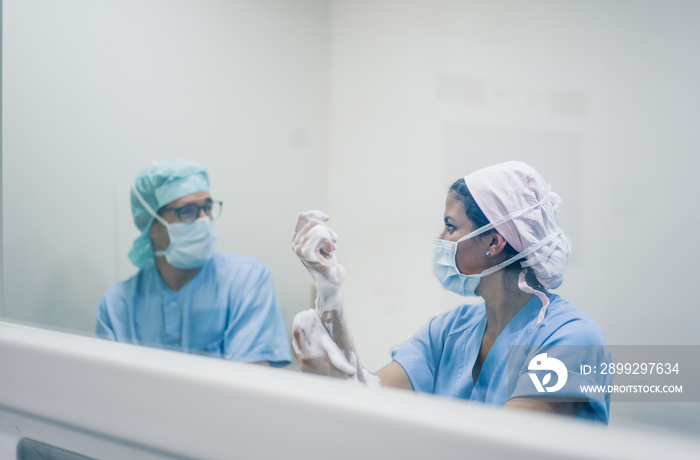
{"x": 186, "y": 296}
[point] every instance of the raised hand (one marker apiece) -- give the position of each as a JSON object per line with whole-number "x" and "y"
{"x": 314, "y": 243}
{"x": 322, "y": 342}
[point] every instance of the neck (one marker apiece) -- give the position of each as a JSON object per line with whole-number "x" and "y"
{"x": 503, "y": 299}
{"x": 175, "y": 278}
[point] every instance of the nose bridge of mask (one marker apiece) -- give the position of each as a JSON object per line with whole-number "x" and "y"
{"x": 148, "y": 207}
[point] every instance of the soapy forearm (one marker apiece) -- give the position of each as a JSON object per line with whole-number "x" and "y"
{"x": 329, "y": 295}
{"x": 314, "y": 243}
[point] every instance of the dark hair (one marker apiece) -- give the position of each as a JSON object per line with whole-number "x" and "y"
{"x": 476, "y": 215}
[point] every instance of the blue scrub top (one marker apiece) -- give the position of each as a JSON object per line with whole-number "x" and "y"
{"x": 440, "y": 358}
{"x": 229, "y": 310}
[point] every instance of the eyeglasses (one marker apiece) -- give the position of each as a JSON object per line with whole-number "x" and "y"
{"x": 190, "y": 212}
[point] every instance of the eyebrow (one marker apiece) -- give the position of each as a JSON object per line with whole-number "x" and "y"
{"x": 448, "y": 219}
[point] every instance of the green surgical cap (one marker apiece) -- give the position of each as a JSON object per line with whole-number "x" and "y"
{"x": 160, "y": 184}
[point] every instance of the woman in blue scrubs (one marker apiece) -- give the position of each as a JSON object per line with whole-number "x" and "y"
{"x": 523, "y": 346}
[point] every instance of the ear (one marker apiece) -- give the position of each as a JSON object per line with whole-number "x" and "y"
{"x": 159, "y": 236}
{"x": 153, "y": 231}
{"x": 497, "y": 244}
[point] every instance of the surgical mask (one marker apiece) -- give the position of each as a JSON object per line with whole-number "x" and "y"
{"x": 446, "y": 271}
{"x": 445, "y": 258}
{"x": 191, "y": 243}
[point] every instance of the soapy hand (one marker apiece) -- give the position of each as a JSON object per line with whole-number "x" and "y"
{"x": 317, "y": 353}
{"x": 314, "y": 243}
{"x": 315, "y": 350}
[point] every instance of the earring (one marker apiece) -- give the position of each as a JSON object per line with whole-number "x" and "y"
{"x": 488, "y": 253}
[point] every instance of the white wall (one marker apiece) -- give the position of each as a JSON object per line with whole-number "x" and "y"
{"x": 96, "y": 91}
{"x": 601, "y": 97}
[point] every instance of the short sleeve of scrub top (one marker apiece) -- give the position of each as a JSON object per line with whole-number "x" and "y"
{"x": 229, "y": 310}
{"x": 440, "y": 358}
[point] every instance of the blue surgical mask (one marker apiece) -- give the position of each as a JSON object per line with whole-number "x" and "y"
{"x": 446, "y": 271}
{"x": 191, "y": 244}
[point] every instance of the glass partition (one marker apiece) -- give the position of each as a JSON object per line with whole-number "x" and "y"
{"x": 367, "y": 112}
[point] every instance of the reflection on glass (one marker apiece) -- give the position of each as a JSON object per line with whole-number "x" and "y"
{"x": 248, "y": 87}
{"x": 186, "y": 296}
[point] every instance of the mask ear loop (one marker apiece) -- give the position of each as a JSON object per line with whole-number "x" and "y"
{"x": 523, "y": 254}
{"x": 154, "y": 214}
{"x": 148, "y": 207}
